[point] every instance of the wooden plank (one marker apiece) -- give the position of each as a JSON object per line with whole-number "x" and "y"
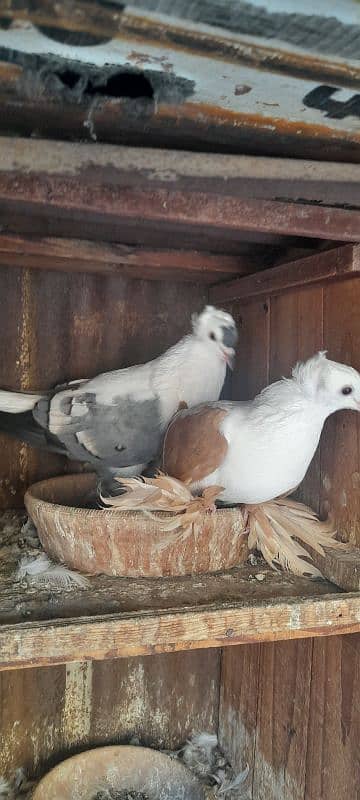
{"x": 285, "y": 669}
{"x": 78, "y": 255}
{"x": 31, "y": 728}
{"x": 281, "y": 728}
{"x": 333, "y": 764}
{"x": 160, "y": 699}
{"x": 115, "y": 636}
{"x": 319, "y": 268}
{"x": 71, "y": 181}
{"x": 342, "y": 567}
{"x": 297, "y": 333}
{"x": 239, "y": 707}
{"x": 340, "y": 455}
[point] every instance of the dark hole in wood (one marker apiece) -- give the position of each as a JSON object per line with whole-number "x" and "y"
{"x": 69, "y": 78}
{"x": 121, "y": 84}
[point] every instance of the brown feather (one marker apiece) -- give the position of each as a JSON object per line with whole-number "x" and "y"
{"x": 277, "y": 528}
{"x": 194, "y": 447}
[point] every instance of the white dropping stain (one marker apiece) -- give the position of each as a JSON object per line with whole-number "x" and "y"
{"x": 294, "y": 619}
{"x": 343, "y": 499}
{"x": 76, "y": 716}
{"x": 326, "y": 483}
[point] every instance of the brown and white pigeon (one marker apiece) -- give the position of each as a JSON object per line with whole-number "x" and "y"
{"x": 117, "y": 420}
{"x": 260, "y": 450}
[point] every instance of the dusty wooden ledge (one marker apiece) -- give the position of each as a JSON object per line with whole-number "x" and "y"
{"x": 117, "y": 617}
{"x": 146, "y": 633}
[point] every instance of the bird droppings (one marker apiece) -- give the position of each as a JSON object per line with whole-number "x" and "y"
{"x": 260, "y": 576}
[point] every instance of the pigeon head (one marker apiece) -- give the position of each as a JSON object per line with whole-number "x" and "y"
{"x": 335, "y": 386}
{"x": 217, "y": 328}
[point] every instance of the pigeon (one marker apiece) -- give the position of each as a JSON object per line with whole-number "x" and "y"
{"x": 116, "y": 421}
{"x": 259, "y": 450}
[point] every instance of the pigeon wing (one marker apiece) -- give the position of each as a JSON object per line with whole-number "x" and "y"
{"x": 194, "y": 445}
{"x": 116, "y": 423}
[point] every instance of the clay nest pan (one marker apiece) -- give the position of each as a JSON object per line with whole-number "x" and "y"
{"x": 128, "y": 543}
{"x": 117, "y": 772}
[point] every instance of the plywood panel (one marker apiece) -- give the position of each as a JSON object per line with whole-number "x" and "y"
{"x": 55, "y": 327}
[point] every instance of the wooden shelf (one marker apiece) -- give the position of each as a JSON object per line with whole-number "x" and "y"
{"x": 121, "y": 617}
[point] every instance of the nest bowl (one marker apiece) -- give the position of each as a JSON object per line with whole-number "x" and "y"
{"x": 127, "y": 543}
{"x": 119, "y": 768}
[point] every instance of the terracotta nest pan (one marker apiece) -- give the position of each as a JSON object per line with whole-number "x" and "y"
{"x": 127, "y": 543}
{"x": 119, "y": 768}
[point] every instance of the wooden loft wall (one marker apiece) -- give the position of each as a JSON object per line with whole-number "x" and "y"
{"x": 56, "y": 326}
{"x": 291, "y": 709}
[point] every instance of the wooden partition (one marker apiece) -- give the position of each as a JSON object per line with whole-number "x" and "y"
{"x": 291, "y": 709}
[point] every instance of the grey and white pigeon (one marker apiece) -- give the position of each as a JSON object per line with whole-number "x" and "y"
{"x": 260, "y": 450}
{"x": 116, "y": 421}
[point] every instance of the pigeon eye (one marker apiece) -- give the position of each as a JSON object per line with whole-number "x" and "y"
{"x": 213, "y": 337}
{"x": 346, "y": 390}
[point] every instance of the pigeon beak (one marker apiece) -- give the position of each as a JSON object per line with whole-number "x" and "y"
{"x": 229, "y": 356}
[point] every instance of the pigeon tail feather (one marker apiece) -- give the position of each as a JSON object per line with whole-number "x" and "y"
{"x": 17, "y": 402}
{"x": 282, "y": 529}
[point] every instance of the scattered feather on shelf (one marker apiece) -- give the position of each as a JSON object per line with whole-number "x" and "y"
{"x": 41, "y": 571}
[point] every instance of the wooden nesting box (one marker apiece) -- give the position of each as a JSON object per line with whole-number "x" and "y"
{"x": 106, "y": 249}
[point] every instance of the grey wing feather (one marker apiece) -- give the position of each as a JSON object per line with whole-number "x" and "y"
{"x": 126, "y": 432}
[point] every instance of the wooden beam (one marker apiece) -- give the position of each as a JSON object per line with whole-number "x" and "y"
{"x": 145, "y": 189}
{"x": 144, "y": 633}
{"x": 328, "y": 265}
{"x": 77, "y": 255}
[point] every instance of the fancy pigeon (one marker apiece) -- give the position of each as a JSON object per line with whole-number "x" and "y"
{"x": 116, "y": 421}
{"x": 260, "y": 450}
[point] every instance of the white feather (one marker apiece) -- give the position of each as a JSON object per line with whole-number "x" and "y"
{"x": 43, "y": 572}
{"x": 16, "y": 402}
{"x": 6, "y": 792}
